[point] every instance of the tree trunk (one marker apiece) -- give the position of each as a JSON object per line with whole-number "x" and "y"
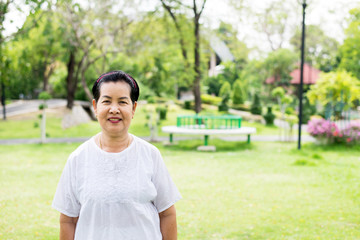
{"x": 71, "y": 81}
{"x": 196, "y": 86}
{"x": 85, "y": 87}
{"x": 47, "y": 74}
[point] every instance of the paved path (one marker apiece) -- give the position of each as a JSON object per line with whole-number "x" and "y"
{"x": 28, "y": 106}
{"x": 256, "y": 138}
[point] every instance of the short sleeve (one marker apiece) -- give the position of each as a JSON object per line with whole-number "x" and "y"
{"x": 167, "y": 192}
{"x": 65, "y": 200}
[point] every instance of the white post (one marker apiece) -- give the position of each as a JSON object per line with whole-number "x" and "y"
{"x": 43, "y": 124}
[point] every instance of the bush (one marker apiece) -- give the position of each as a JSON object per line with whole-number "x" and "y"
{"x": 323, "y": 130}
{"x": 162, "y": 110}
{"x": 328, "y": 132}
{"x": 351, "y": 134}
{"x": 209, "y": 99}
{"x": 256, "y": 105}
{"x": 187, "y": 105}
{"x": 223, "y": 107}
{"x": 241, "y": 107}
{"x": 225, "y": 91}
{"x": 269, "y": 116}
{"x": 238, "y": 96}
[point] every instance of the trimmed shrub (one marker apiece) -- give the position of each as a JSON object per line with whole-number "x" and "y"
{"x": 269, "y": 116}
{"x": 256, "y": 105}
{"x": 162, "y": 112}
{"x": 209, "y": 99}
{"x": 238, "y": 95}
{"x": 241, "y": 107}
{"x": 187, "y": 105}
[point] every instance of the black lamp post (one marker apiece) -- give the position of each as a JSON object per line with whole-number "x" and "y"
{"x": 301, "y": 73}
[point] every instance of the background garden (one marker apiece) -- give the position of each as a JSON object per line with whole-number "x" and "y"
{"x": 190, "y": 59}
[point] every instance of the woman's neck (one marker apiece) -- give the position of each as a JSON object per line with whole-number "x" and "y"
{"x": 113, "y": 144}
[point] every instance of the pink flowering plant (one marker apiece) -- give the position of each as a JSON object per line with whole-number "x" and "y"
{"x": 328, "y": 132}
{"x": 351, "y": 133}
{"x": 321, "y": 128}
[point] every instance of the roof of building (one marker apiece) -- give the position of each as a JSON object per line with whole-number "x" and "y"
{"x": 311, "y": 75}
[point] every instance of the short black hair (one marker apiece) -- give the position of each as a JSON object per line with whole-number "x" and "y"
{"x": 117, "y": 76}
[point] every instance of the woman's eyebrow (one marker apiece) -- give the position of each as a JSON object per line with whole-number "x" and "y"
{"x": 106, "y": 96}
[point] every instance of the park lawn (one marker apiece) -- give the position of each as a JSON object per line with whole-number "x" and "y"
{"x": 242, "y": 191}
{"x": 29, "y": 126}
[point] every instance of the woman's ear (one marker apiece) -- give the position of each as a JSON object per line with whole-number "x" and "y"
{"x": 134, "y": 108}
{"x": 94, "y": 107}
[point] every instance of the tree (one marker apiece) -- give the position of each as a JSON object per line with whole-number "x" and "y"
{"x": 320, "y": 50}
{"x": 279, "y": 65}
{"x": 256, "y": 105}
{"x": 225, "y": 93}
{"x": 349, "y": 51}
{"x": 35, "y": 55}
{"x": 273, "y": 21}
{"x": 82, "y": 26}
{"x": 5, "y": 7}
{"x": 229, "y": 35}
{"x": 284, "y": 100}
{"x": 335, "y": 87}
{"x": 238, "y": 94}
{"x": 171, "y": 6}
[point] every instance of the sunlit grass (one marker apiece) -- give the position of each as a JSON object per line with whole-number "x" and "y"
{"x": 242, "y": 191}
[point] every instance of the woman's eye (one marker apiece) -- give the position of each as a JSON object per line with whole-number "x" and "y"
{"x": 106, "y": 101}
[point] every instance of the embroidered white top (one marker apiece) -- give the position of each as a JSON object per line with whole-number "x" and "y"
{"x": 116, "y": 195}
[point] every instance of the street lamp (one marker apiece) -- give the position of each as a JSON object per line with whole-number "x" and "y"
{"x": 301, "y": 72}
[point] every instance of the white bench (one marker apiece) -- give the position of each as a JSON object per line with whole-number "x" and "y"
{"x": 206, "y": 132}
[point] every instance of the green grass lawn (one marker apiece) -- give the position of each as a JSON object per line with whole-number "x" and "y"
{"x": 242, "y": 191}
{"x": 29, "y": 127}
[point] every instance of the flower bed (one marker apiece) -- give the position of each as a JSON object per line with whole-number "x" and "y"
{"x": 327, "y": 132}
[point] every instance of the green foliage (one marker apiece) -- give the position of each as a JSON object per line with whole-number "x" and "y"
{"x": 320, "y": 49}
{"x": 44, "y": 96}
{"x": 229, "y": 35}
{"x": 225, "y": 93}
{"x": 269, "y": 116}
{"x": 209, "y": 99}
{"x": 214, "y": 84}
{"x": 225, "y": 90}
{"x": 279, "y": 65}
{"x": 241, "y": 107}
{"x": 162, "y": 111}
{"x": 278, "y": 92}
{"x": 308, "y": 110}
{"x": 334, "y": 87}
{"x": 187, "y": 104}
{"x": 238, "y": 93}
{"x": 256, "y": 105}
{"x": 349, "y": 51}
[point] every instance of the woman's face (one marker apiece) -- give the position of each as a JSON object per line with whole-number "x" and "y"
{"x": 114, "y": 108}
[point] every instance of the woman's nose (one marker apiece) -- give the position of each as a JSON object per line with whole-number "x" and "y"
{"x": 114, "y": 110}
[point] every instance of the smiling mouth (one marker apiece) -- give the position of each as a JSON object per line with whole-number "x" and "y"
{"x": 115, "y": 120}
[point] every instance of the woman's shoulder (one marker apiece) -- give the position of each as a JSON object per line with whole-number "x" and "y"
{"x": 82, "y": 149}
{"x": 145, "y": 146}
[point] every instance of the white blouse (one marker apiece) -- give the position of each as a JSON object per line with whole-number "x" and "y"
{"x": 116, "y": 195}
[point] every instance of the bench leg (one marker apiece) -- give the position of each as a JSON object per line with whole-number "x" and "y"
{"x": 206, "y": 139}
{"x": 248, "y": 139}
{"x": 171, "y": 138}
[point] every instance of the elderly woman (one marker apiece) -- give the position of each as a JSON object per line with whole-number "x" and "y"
{"x": 115, "y": 185}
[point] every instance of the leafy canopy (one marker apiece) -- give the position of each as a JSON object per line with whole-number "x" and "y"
{"x": 335, "y": 87}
